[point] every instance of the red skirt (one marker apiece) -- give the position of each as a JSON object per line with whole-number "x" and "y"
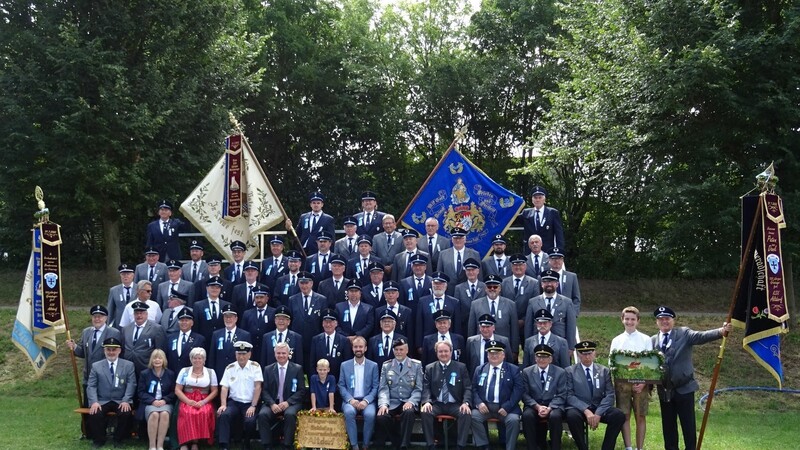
{"x": 196, "y": 423}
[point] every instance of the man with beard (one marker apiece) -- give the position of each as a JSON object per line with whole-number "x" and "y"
{"x": 497, "y": 263}
{"x": 502, "y": 309}
{"x": 559, "y": 349}
{"x": 438, "y": 300}
{"x": 358, "y": 386}
{"x": 559, "y": 306}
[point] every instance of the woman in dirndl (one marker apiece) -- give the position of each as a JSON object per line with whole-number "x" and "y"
{"x": 196, "y": 388}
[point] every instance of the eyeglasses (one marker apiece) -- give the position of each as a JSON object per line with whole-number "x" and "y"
{"x": 147, "y": 290}
{"x": 492, "y": 286}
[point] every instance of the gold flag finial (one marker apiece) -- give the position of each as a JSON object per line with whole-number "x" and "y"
{"x": 43, "y": 214}
{"x": 766, "y": 180}
{"x": 462, "y": 132}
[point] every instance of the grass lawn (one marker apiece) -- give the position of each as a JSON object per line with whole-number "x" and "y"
{"x": 38, "y": 412}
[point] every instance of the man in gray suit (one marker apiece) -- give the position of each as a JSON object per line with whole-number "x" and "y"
{"x": 676, "y": 395}
{"x": 559, "y": 306}
{"x": 446, "y": 390}
{"x": 151, "y": 269}
{"x": 174, "y": 283}
{"x": 399, "y": 394}
{"x": 120, "y": 295}
{"x": 451, "y": 260}
{"x": 90, "y": 344}
{"x": 558, "y": 345}
{"x": 520, "y": 288}
{"x": 347, "y": 246}
{"x": 476, "y": 345}
{"x": 497, "y": 263}
{"x": 388, "y": 243}
{"x": 111, "y": 388}
{"x": 433, "y": 242}
{"x": 196, "y": 269}
{"x": 141, "y": 337}
{"x": 502, "y": 309}
{"x": 537, "y": 261}
{"x": 469, "y": 291}
{"x": 403, "y": 260}
{"x": 176, "y": 303}
{"x": 544, "y": 399}
{"x": 568, "y": 281}
{"x": 590, "y": 399}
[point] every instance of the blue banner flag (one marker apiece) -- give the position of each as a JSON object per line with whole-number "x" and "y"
{"x": 458, "y": 194}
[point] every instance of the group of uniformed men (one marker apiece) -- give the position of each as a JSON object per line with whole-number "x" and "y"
{"x": 368, "y": 306}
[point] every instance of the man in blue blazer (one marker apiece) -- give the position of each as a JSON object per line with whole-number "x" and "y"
{"x": 330, "y": 344}
{"x": 676, "y": 395}
{"x": 497, "y": 388}
{"x": 180, "y": 343}
{"x": 428, "y": 305}
{"x": 208, "y": 312}
{"x": 312, "y": 223}
{"x": 369, "y": 220}
{"x": 259, "y": 321}
{"x": 281, "y": 333}
{"x": 591, "y": 398}
{"x": 275, "y": 265}
{"x": 358, "y": 319}
{"x": 221, "y": 349}
{"x": 359, "y": 393}
{"x": 163, "y": 233}
{"x": 544, "y": 221}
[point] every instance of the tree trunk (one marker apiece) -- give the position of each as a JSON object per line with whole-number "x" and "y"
{"x": 111, "y": 244}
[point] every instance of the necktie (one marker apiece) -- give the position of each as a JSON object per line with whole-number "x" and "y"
{"x": 238, "y": 273}
{"x": 164, "y": 227}
{"x": 94, "y": 338}
{"x": 194, "y": 272}
{"x": 541, "y": 376}
{"x": 112, "y": 370}
{"x": 438, "y": 304}
{"x": 324, "y": 261}
{"x": 172, "y": 288}
{"x": 171, "y": 316}
{"x": 444, "y": 337}
{"x": 492, "y": 384}
{"x": 183, "y": 342}
{"x": 419, "y": 284}
{"x": 458, "y": 263}
{"x": 281, "y": 380}
{"x": 485, "y": 346}
{"x": 214, "y": 309}
{"x": 350, "y": 245}
{"x": 389, "y": 241}
{"x": 665, "y": 342}
{"x": 516, "y": 286}
{"x": 364, "y": 265}
{"x": 336, "y": 284}
{"x": 260, "y": 315}
{"x": 280, "y": 336}
{"x": 328, "y": 344}
{"x": 375, "y": 291}
{"x": 538, "y": 223}
{"x": 536, "y": 264}
{"x": 499, "y": 265}
{"x": 314, "y": 225}
{"x": 444, "y": 394}
{"x": 493, "y": 309}
{"x": 430, "y": 244}
{"x": 549, "y": 303}
{"x": 542, "y": 341}
{"x": 127, "y": 294}
{"x": 408, "y": 263}
{"x": 292, "y": 282}
{"x": 589, "y": 379}
{"x": 136, "y": 335}
{"x": 229, "y": 336}
{"x": 250, "y": 294}
{"x": 275, "y": 264}
{"x": 472, "y": 291}
{"x": 386, "y": 345}
{"x": 307, "y": 304}
{"x": 369, "y": 220}
{"x": 152, "y": 273}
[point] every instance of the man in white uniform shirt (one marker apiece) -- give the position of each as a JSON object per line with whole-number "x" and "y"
{"x": 240, "y": 395}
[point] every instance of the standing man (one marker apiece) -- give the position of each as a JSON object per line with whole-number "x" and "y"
{"x": 676, "y": 395}
{"x": 420, "y": 284}
{"x": 286, "y": 285}
{"x": 111, "y": 388}
{"x": 200, "y": 291}
{"x": 402, "y": 260}
{"x": 141, "y": 337}
{"x": 560, "y": 307}
{"x": 358, "y": 318}
{"x": 544, "y": 398}
{"x": 318, "y": 264}
{"x": 443, "y": 323}
{"x": 180, "y": 343}
{"x": 306, "y": 307}
{"x": 239, "y": 396}
{"x": 335, "y": 288}
{"x": 403, "y": 314}
{"x": 469, "y": 291}
{"x": 151, "y": 269}
{"x": 208, "y": 312}
{"x": 559, "y": 349}
{"x": 520, "y": 288}
{"x": 347, "y": 246}
{"x": 169, "y": 318}
{"x": 312, "y": 223}
{"x": 543, "y": 221}
{"x": 358, "y": 386}
{"x": 358, "y": 265}
{"x": 497, "y": 389}
{"x": 369, "y": 220}
{"x": 379, "y": 349}
{"x": 235, "y": 272}
{"x": 502, "y": 309}
{"x": 90, "y": 344}
{"x": 144, "y": 289}
{"x": 120, "y": 295}
{"x": 438, "y": 300}
{"x": 222, "y": 352}
{"x": 433, "y": 242}
{"x": 174, "y": 283}
{"x": 590, "y": 399}
{"x": 634, "y": 396}
{"x": 372, "y": 292}
{"x": 399, "y": 395}
{"x": 275, "y": 265}
{"x": 283, "y": 395}
{"x": 196, "y": 269}
{"x": 451, "y": 260}
{"x": 537, "y": 260}
{"x": 497, "y": 263}
{"x": 281, "y": 333}
{"x": 163, "y": 233}
{"x": 567, "y": 281}
{"x": 243, "y": 297}
{"x": 477, "y": 346}
{"x": 330, "y": 344}
{"x": 446, "y": 390}
{"x": 388, "y": 243}
{"x": 259, "y": 321}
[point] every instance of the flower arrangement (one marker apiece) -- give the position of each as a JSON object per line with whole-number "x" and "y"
{"x": 646, "y": 366}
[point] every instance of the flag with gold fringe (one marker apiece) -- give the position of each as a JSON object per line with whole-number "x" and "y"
{"x": 235, "y": 200}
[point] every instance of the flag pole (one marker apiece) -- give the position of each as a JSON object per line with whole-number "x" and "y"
{"x": 747, "y": 250}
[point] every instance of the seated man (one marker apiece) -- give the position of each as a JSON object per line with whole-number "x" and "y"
{"x": 446, "y": 390}
{"x": 399, "y": 394}
{"x": 111, "y": 388}
{"x": 240, "y": 396}
{"x": 497, "y": 389}
{"x": 358, "y": 386}
{"x": 283, "y": 395}
{"x": 544, "y": 398}
{"x": 590, "y": 398}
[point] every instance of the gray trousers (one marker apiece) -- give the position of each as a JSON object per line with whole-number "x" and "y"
{"x": 511, "y": 422}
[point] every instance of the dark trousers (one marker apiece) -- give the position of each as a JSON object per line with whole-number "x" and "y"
{"x": 400, "y": 436}
{"x": 99, "y": 422}
{"x": 463, "y": 421}
{"x": 536, "y": 428}
{"x": 235, "y": 412}
{"x": 267, "y": 418}
{"x": 613, "y": 418}
{"x": 681, "y": 406}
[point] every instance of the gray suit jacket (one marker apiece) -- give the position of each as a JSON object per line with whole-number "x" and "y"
{"x": 83, "y": 348}
{"x": 102, "y": 388}
{"x": 463, "y": 295}
{"x": 544, "y": 264}
{"x": 678, "y": 358}
{"x": 475, "y": 354}
{"x": 439, "y": 243}
{"x": 552, "y": 394}
{"x": 183, "y": 287}
{"x": 142, "y": 272}
{"x": 569, "y": 287}
{"x": 400, "y": 383}
{"x": 580, "y": 397}
{"x": 340, "y": 247}
{"x": 170, "y": 325}
{"x": 400, "y": 263}
{"x": 506, "y": 319}
{"x": 151, "y": 337}
{"x": 117, "y": 302}
{"x": 446, "y": 264}
{"x": 381, "y": 248}
{"x": 489, "y": 266}
{"x": 529, "y": 288}
{"x": 557, "y": 343}
{"x": 564, "y": 320}
{"x": 347, "y": 381}
{"x": 202, "y": 271}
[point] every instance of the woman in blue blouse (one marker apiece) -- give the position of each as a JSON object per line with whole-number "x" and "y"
{"x": 156, "y": 398}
